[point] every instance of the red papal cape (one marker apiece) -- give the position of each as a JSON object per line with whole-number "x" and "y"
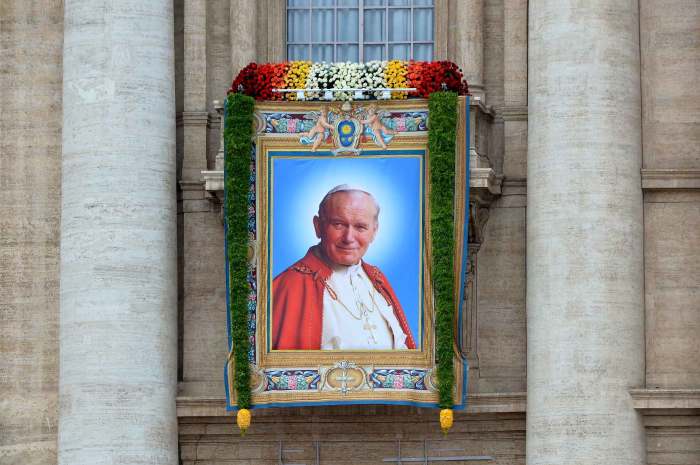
{"x": 297, "y": 303}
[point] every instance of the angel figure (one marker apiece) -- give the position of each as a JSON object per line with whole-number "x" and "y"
{"x": 319, "y": 132}
{"x": 375, "y": 128}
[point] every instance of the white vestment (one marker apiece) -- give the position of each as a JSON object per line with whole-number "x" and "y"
{"x": 356, "y": 316}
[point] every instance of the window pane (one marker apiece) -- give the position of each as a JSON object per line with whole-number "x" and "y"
{"x": 399, "y": 25}
{"x": 322, "y": 53}
{"x": 375, "y": 2}
{"x": 297, "y": 52}
{"x": 374, "y": 26}
{"x": 399, "y": 52}
{"x": 347, "y": 2}
{"x": 323, "y": 3}
{"x": 347, "y": 53}
{"x": 293, "y": 3}
{"x": 297, "y": 26}
{"x": 399, "y": 2}
{"x": 423, "y": 52}
{"x": 422, "y": 2}
{"x": 348, "y": 26}
{"x": 423, "y": 24}
{"x": 322, "y": 26}
{"x": 374, "y": 52}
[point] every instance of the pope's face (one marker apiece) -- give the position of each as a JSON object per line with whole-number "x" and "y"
{"x": 347, "y": 227}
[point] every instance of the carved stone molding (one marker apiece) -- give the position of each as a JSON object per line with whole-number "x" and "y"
{"x": 215, "y": 406}
{"x": 654, "y": 178}
{"x": 648, "y": 401}
{"x": 192, "y": 118}
{"x": 513, "y": 113}
{"x": 660, "y": 401}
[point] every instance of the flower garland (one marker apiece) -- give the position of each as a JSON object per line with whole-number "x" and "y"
{"x": 259, "y": 80}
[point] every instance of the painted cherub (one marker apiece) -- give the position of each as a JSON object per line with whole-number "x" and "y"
{"x": 375, "y": 128}
{"x": 319, "y": 132}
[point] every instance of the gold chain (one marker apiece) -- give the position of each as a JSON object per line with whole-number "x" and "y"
{"x": 358, "y": 302}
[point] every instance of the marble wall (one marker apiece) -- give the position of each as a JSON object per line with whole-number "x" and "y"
{"x": 31, "y": 41}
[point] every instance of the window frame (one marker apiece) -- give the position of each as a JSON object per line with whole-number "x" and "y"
{"x": 361, "y": 8}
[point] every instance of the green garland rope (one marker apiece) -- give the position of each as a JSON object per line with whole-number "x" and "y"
{"x": 441, "y": 144}
{"x": 238, "y": 133}
{"x": 442, "y": 135}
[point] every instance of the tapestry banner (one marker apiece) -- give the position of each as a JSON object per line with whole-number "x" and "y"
{"x": 340, "y": 305}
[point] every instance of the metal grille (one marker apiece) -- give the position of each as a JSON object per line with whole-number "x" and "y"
{"x": 366, "y": 42}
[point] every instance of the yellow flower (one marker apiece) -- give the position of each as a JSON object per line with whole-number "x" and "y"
{"x": 296, "y": 77}
{"x": 243, "y": 420}
{"x": 395, "y": 76}
{"x": 446, "y": 419}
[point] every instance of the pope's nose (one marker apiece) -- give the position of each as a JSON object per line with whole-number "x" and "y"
{"x": 348, "y": 236}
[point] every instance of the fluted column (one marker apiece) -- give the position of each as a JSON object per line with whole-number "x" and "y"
{"x": 584, "y": 216}
{"x": 242, "y": 21}
{"x": 469, "y": 43}
{"x": 118, "y": 300}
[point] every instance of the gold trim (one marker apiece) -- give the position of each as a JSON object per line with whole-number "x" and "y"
{"x": 295, "y": 358}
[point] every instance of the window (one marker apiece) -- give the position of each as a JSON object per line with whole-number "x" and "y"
{"x": 359, "y": 30}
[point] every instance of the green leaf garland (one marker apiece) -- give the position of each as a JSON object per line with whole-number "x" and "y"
{"x": 442, "y": 135}
{"x": 238, "y": 133}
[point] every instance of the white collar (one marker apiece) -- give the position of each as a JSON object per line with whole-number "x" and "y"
{"x": 346, "y": 271}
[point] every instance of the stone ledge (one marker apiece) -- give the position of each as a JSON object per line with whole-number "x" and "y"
{"x": 192, "y": 118}
{"x": 653, "y": 178}
{"x": 214, "y": 183}
{"x": 513, "y": 112}
{"x": 679, "y": 401}
{"x": 483, "y": 183}
{"x": 509, "y": 402}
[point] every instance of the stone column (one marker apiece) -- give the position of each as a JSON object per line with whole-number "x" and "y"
{"x": 469, "y": 43}
{"x": 118, "y": 300}
{"x": 242, "y": 21}
{"x": 585, "y": 314}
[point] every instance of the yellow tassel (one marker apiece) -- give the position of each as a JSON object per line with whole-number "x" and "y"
{"x": 446, "y": 419}
{"x": 243, "y": 420}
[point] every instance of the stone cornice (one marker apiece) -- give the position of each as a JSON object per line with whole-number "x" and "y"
{"x": 647, "y": 401}
{"x": 650, "y": 401}
{"x": 655, "y": 178}
{"x": 214, "y": 183}
{"x": 509, "y": 402}
{"x": 191, "y": 185}
{"x": 513, "y": 113}
{"x": 192, "y": 118}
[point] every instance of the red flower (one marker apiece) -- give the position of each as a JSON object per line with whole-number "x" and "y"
{"x": 246, "y": 81}
{"x": 429, "y": 76}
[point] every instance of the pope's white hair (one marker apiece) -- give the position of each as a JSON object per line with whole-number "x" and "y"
{"x": 347, "y": 188}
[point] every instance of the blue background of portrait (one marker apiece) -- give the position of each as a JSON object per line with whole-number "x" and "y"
{"x": 299, "y": 184}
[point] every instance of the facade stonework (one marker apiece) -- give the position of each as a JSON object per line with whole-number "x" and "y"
{"x": 583, "y": 321}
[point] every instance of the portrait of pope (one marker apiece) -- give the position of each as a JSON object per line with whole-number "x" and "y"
{"x": 331, "y": 299}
